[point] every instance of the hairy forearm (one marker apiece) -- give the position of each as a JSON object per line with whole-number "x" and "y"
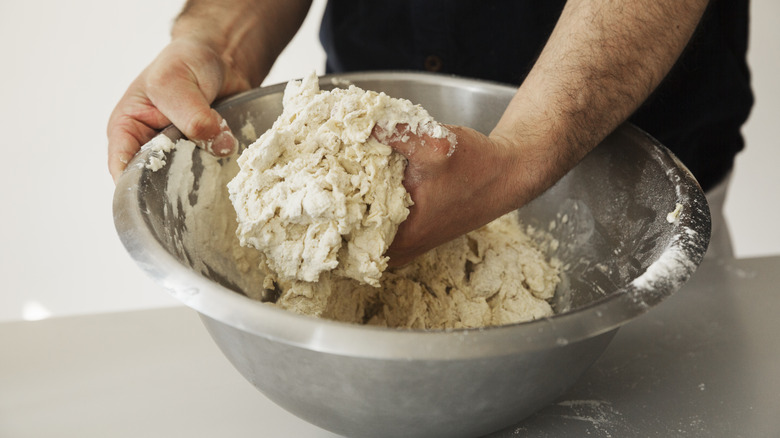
{"x": 247, "y": 34}
{"x": 603, "y": 59}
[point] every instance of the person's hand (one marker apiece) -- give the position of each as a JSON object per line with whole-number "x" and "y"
{"x": 453, "y": 193}
{"x": 177, "y": 87}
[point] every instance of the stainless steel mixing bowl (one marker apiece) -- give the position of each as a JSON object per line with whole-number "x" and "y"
{"x": 621, "y": 257}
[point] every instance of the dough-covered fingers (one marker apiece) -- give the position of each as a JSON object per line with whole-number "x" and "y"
{"x": 454, "y": 190}
{"x": 182, "y": 85}
{"x": 177, "y": 87}
{"x": 133, "y": 122}
{"x": 423, "y": 145}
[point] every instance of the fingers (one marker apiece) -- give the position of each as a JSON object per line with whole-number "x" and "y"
{"x": 186, "y": 105}
{"x": 137, "y": 120}
{"x": 125, "y": 138}
{"x": 178, "y": 88}
{"x": 133, "y": 122}
{"x": 401, "y": 253}
{"x": 419, "y": 147}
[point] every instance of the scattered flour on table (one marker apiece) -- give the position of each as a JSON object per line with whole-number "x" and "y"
{"x": 494, "y": 275}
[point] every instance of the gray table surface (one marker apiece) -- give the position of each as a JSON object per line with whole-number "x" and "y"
{"x": 704, "y": 363}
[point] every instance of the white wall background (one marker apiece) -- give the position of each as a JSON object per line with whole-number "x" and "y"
{"x": 66, "y": 64}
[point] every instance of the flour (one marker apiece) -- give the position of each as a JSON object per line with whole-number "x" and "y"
{"x": 317, "y": 193}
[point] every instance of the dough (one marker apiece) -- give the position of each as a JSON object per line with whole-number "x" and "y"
{"x": 316, "y": 193}
{"x": 492, "y": 276}
{"x": 322, "y": 200}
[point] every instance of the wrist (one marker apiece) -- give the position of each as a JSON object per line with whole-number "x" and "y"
{"x": 533, "y": 160}
{"x": 230, "y": 39}
{"x": 248, "y": 35}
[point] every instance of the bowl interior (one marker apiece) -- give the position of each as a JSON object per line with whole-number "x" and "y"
{"x": 608, "y": 216}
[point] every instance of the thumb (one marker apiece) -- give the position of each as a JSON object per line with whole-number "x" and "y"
{"x": 191, "y": 113}
{"x": 181, "y": 84}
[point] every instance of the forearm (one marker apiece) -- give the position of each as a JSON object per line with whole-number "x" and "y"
{"x": 247, "y": 34}
{"x": 603, "y": 59}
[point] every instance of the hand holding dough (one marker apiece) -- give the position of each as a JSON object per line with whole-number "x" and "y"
{"x": 455, "y": 190}
{"x": 310, "y": 187}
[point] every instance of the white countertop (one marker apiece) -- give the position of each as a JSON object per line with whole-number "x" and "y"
{"x": 704, "y": 363}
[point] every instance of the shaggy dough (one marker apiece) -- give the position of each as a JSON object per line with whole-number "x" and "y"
{"x": 322, "y": 200}
{"x": 492, "y": 276}
{"x": 316, "y": 193}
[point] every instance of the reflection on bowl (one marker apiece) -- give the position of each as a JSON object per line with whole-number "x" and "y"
{"x": 621, "y": 256}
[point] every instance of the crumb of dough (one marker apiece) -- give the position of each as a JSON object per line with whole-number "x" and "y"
{"x": 158, "y": 147}
{"x": 317, "y": 193}
{"x": 675, "y": 214}
{"x": 248, "y": 130}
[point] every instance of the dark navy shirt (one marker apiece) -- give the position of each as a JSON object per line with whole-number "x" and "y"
{"x": 697, "y": 111}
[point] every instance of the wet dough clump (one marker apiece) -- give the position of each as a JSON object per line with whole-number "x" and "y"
{"x": 317, "y": 193}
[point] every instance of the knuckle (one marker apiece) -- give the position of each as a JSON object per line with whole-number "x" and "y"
{"x": 201, "y": 125}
